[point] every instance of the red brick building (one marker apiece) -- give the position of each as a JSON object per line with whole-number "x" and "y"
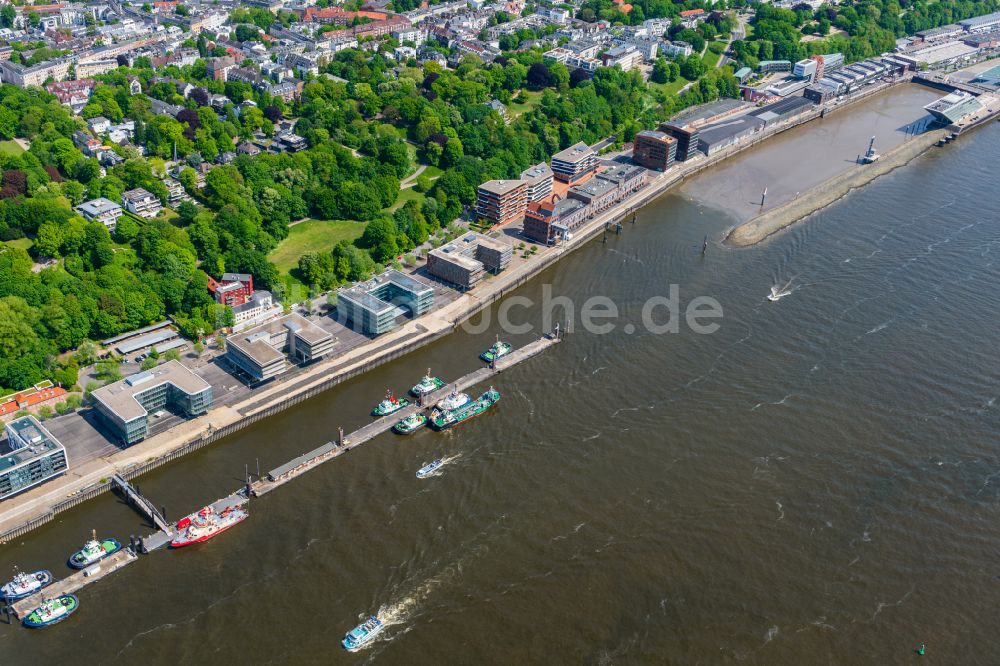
{"x": 233, "y": 289}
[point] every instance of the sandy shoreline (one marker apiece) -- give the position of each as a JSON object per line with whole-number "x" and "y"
{"x": 757, "y": 229}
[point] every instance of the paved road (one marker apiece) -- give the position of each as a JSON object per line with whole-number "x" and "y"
{"x": 411, "y": 180}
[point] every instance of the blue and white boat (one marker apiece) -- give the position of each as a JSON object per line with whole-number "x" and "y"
{"x": 24, "y": 585}
{"x": 363, "y": 634}
{"x": 429, "y": 469}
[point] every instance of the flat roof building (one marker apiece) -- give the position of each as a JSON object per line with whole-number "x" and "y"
{"x": 538, "y": 181}
{"x": 547, "y": 222}
{"x": 609, "y": 187}
{"x": 766, "y": 66}
{"x": 687, "y": 139}
{"x": 467, "y": 259}
{"x": 789, "y": 86}
{"x": 261, "y": 352}
{"x": 805, "y": 69}
{"x": 727, "y": 133}
{"x": 125, "y": 404}
{"x": 141, "y": 202}
{"x": 102, "y": 210}
{"x": 501, "y": 201}
{"x": 158, "y": 337}
{"x": 832, "y": 61}
{"x": 255, "y": 310}
{"x": 30, "y": 456}
{"x": 951, "y": 30}
{"x": 940, "y": 53}
{"x": 625, "y": 58}
{"x": 375, "y": 306}
{"x": 710, "y": 112}
{"x": 985, "y": 23}
{"x": 783, "y": 109}
{"x": 596, "y": 193}
{"x": 654, "y": 150}
{"x": 575, "y": 164}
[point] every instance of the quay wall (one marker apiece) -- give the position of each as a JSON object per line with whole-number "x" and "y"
{"x": 757, "y": 229}
{"x": 491, "y": 291}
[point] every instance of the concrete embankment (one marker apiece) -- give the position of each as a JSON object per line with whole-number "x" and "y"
{"x": 40, "y": 505}
{"x": 755, "y": 230}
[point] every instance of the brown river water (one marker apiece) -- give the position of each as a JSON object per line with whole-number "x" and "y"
{"x": 816, "y": 482}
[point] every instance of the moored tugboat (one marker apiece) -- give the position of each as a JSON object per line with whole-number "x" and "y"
{"x": 390, "y": 405}
{"x": 454, "y": 400}
{"x": 24, "y": 585}
{"x": 428, "y": 384}
{"x": 205, "y": 524}
{"x": 410, "y": 424}
{"x": 496, "y": 351}
{"x": 94, "y": 551}
{"x": 363, "y": 634}
{"x": 52, "y": 611}
{"x": 442, "y": 420}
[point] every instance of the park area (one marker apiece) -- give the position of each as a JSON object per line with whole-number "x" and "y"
{"x": 310, "y": 236}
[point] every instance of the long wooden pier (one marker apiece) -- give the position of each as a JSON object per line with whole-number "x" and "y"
{"x": 307, "y": 461}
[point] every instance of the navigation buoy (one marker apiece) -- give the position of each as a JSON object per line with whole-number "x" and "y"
{"x": 921, "y": 649}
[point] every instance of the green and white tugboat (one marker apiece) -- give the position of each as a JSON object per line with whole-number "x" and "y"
{"x": 52, "y": 611}
{"x": 496, "y": 351}
{"x": 428, "y": 384}
{"x": 390, "y": 405}
{"x": 410, "y": 424}
{"x": 442, "y": 420}
{"x": 94, "y": 551}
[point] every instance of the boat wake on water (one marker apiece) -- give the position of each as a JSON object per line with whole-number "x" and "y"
{"x": 777, "y": 293}
{"x": 434, "y": 468}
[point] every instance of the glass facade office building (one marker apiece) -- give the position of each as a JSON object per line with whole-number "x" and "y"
{"x": 126, "y": 405}
{"x": 29, "y": 456}
{"x": 374, "y": 308}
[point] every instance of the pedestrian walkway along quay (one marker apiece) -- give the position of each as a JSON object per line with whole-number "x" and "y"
{"x": 277, "y": 477}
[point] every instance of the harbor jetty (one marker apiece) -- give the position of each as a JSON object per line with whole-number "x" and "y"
{"x": 276, "y": 477}
{"x": 302, "y": 464}
{"x": 757, "y": 229}
{"x": 74, "y": 582}
{"x": 41, "y": 505}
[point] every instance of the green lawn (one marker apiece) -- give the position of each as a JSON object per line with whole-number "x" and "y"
{"x": 710, "y": 58}
{"x": 409, "y": 194}
{"x": 534, "y": 97}
{"x": 23, "y": 243}
{"x": 673, "y": 87}
{"x": 412, "y": 150}
{"x": 10, "y": 148}
{"x": 167, "y": 214}
{"x": 312, "y": 236}
{"x": 432, "y": 172}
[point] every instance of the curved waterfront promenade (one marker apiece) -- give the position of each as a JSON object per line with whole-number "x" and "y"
{"x": 757, "y": 229}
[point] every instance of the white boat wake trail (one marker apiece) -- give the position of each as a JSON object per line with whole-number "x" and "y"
{"x": 777, "y": 293}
